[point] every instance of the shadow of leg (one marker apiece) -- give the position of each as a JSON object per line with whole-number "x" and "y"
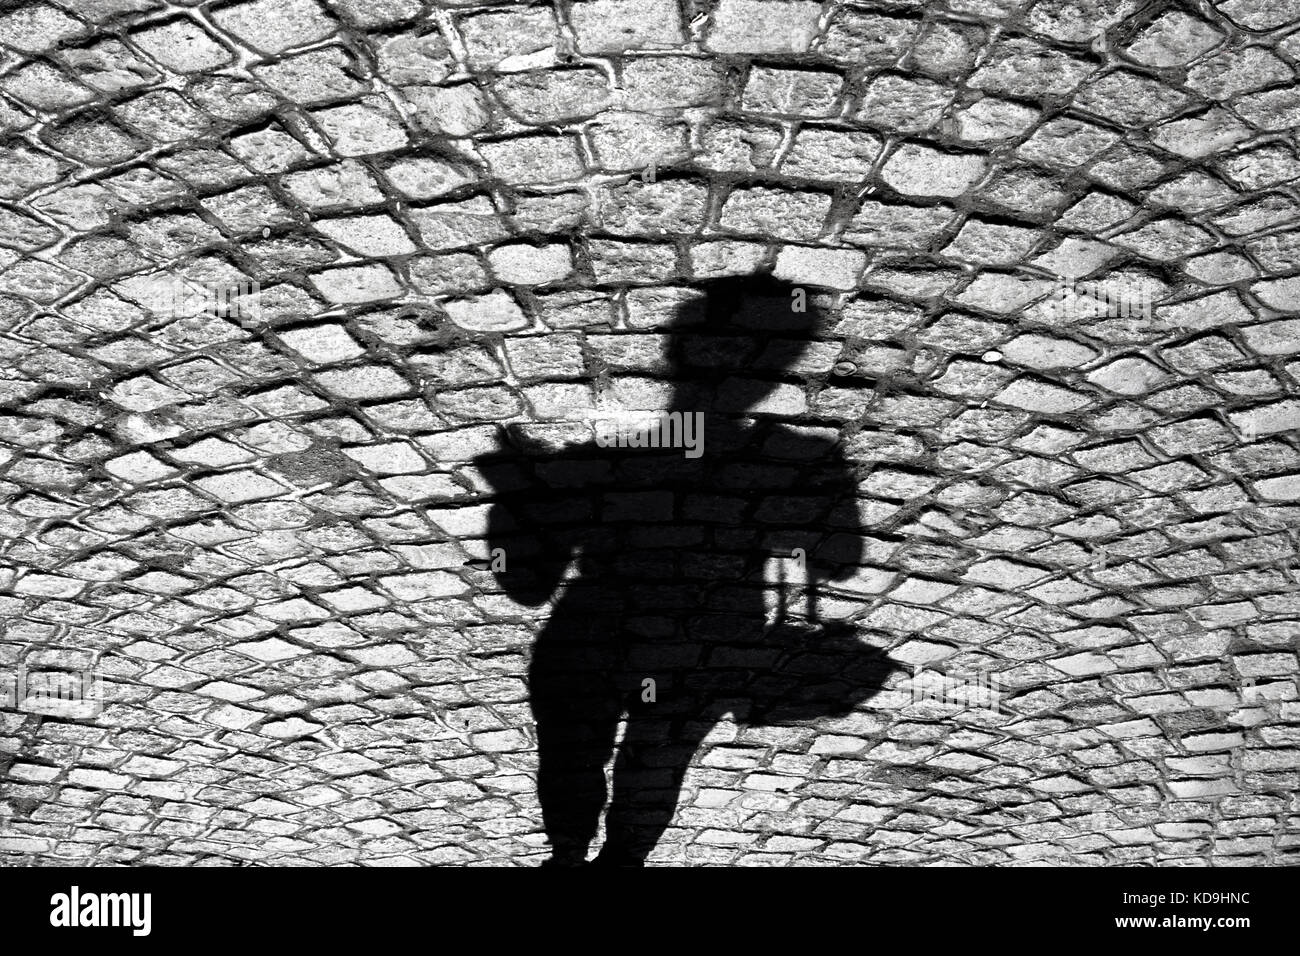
{"x": 648, "y": 774}
{"x": 577, "y": 719}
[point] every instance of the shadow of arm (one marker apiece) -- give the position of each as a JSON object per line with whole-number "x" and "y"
{"x": 843, "y": 548}
{"x": 525, "y": 553}
{"x": 526, "y": 560}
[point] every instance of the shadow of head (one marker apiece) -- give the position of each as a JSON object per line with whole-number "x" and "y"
{"x": 740, "y": 337}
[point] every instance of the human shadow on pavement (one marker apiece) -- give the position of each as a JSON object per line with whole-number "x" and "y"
{"x": 668, "y": 522}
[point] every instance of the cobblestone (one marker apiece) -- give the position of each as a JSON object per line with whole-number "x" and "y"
{"x": 258, "y": 522}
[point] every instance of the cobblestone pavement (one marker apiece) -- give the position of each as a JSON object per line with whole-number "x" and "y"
{"x": 253, "y": 522}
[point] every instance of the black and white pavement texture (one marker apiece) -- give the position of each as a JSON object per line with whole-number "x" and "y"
{"x": 256, "y": 520}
